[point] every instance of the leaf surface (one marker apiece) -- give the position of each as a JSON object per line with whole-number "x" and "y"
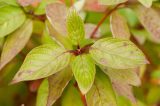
{"x": 83, "y": 68}
{"x": 117, "y": 53}
{"x": 101, "y": 93}
{"x": 41, "y": 62}
{"x": 111, "y": 2}
{"x": 75, "y": 27}
{"x": 128, "y": 76}
{"x": 42, "y": 93}
{"x": 56, "y": 14}
{"x": 11, "y": 18}
{"x": 146, "y": 3}
{"x": 57, "y": 83}
{"x": 119, "y": 27}
{"x": 149, "y": 18}
{"x": 15, "y": 42}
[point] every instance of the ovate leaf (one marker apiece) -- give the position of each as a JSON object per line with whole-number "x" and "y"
{"x": 128, "y": 76}
{"x": 75, "y": 27}
{"x": 15, "y": 42}
{"x": 83, "y": 68}
{"x": 119, "y": 27}
{"x": 57, "y": 83}
{"x": 42, "y": 93}
{"x": 146, "y": 3}
{"x": 10, "y": 19}
{"x": 101, "y": 93}
{"x": 117, "y": 53}
{"x": 71, "y": 97}
{"x": 149, "y": 18}
{"x": 125, "y": 90}
{"x": 111, "y": 2}
{"x": 42, "y": 61}
{"x": 56, "y": 14}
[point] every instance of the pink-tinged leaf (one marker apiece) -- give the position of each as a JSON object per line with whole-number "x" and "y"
{"x": 149, "y": 18}
{"x": 127, "y": 76}
{"x": 93, "y": 5}
{"x": 89, "y": 29}
{"x": 57, "y": 83}
{"x": 28, "y": 2}
{"x": 56, "y": 14}
{"x": 15, "y": 42}
{"x": 119, "y": 27}
{"x": 124, "y": 90}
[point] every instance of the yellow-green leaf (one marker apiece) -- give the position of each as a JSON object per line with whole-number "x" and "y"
{"x": 117, "y": 53}
{"x": 42, "y": 93}
{"x": 42, "y": 61}
{"x": 11, "y": 18}
{"x": 15, "y": 42}
{"x": 83, "y": 68}
{"x": 75, "y": 27}
{"x": 119, "y": 27}
{"x": 146, "y": 3}
{"x": 111, "y": 2}
{"x": 101, "y": 93}
{"x": 71, "y": 97}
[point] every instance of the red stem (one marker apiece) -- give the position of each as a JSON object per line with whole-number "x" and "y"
{"x": 103, "y": 19}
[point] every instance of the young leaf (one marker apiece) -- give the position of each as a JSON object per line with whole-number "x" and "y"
{"x": 119, "y": 27}
{"x": 83, "y": 68}
{"x": 111, "y": 2}
{"x": 101, "y": 93}
{"x": 149, "y": 18}
{"x": 57, "y": 83}
{"x": 75, "y": 27}
{"x": 42, "y": 93}
{"x": 56, "y": 14}
{"x": 146, "y": 3}
{"x": 125, "y": 90}
{"x": 15, "y": 43}
{"x": 71, "y": 97}
{"x": 123, "y": 76}
{"x": 41, "y": 62}
{"x": 10, "y": 19}
{"x": 117, "y": 53}
{"x": 28, "y": 2}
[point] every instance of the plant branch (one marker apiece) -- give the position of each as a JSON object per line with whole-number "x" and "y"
{"x": 103, "y": 19}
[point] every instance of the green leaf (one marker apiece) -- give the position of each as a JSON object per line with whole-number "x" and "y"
{"x": 57, "y": 83}
{"x": 41, "y": 62}
{"x": 146, "y": 3}
{"x": 111, "y": 2}
{"x": 128, "y": 76}
{"x": 156, "y": 74}
{"x": 10, "y": 2}
{"x": 15, "y": 43}
{"x": 119, "y": 27}
{"x": 83, "y": 68}
{"x": 75, "y": 27}
{"x": 10, "y": 19}
{"x": 101, "y": 93}
{"x": 117, "y": 53}
{"x": 149, "y": 18}
{"x": 56, "y": 14}
{"x": 42, "y": 93}
{"x": 71, "y": 97}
